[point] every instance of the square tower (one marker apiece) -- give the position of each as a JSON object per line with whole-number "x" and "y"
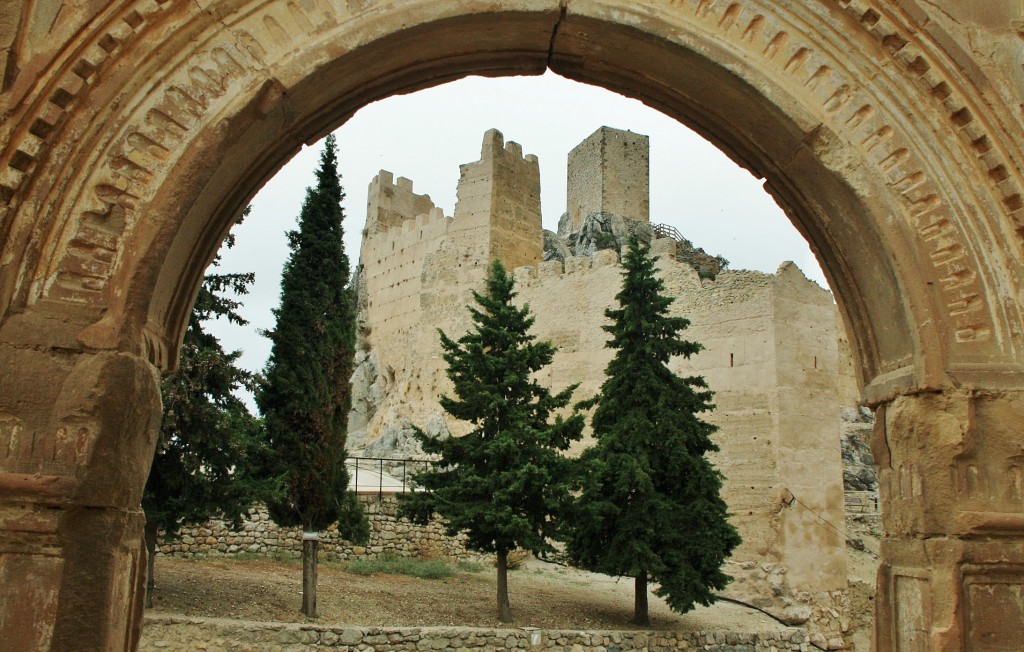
{"x": 609, "y": 172}
{"x": 498, "y": 204}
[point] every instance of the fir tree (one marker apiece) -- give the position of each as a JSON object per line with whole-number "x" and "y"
{"x": 505, "y": 482}
{"x": 306, "y": 396}
{"x": 650, "y": 506}
{"x": 208, "y": 442}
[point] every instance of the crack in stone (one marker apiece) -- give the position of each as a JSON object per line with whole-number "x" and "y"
{"x": 563, "y": 8}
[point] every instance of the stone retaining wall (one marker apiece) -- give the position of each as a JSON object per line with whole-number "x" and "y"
{"x": 389, "y": 534}
{"x": 179, "y": 634}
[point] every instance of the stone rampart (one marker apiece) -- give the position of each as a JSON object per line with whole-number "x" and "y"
{"x": 180, "y": 634}
{"x": 770, "y": 355}
{"x": 389, "y": 535}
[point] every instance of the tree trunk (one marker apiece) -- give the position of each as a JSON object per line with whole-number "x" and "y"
{"x": 310, "y": 549}
{"x": 149, "y": 535}
{"x": 504, "y": 609}
{"x": 640, "y": 600}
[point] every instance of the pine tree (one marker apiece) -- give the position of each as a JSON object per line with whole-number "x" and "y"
{"x": 650, "y": 506}
{"x": 208, "y": 444}
{"x": 504, "y": 483}
{"x": 306, "y": 397}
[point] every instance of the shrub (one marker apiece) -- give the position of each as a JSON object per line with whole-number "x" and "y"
{"x": 427, "y": 569}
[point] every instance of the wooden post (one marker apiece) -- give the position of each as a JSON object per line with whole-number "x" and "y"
{"x": 310, "y": 549}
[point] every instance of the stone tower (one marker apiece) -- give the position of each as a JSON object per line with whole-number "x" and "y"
{"x": 499, "y": 202}
{"x": 609, "y": 172}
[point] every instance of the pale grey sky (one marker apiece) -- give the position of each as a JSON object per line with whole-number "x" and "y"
{"x": 425, "y": 136}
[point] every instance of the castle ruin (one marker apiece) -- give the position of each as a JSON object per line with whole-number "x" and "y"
{"x": 772, "y": 341}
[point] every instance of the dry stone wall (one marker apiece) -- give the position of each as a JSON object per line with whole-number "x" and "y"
{"x": 177, "y": 634}
{"x": 389, "y": 535}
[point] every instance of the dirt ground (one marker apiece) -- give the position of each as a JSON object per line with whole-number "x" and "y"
{"x": 542, "y": 595}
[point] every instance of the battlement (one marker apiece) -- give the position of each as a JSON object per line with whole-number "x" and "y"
{"x": 494, "y": 146}
{"x": 389, "y": 203}
{"x": 498, "y": 202}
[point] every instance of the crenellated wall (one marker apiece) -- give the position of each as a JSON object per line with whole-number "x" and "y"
{"x": 390, "y": 203}
{"x": 498, "y": 203}
{"x": 396, "y": 242}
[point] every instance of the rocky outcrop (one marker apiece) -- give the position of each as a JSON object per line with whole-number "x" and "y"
{"x": 555, "y": 247}
{"x": 599, "y": 231}
{"x": 398, "y": 440}
{"x": 859, "y": 472}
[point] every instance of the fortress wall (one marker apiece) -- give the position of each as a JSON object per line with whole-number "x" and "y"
{"x": 809, "y": 453}
{"x": 390, "y": 203}
{"x": 609, "y": 172}
{"x": 499, "y": 204}
{"x": 418, "y": 277}
{"x": 755, "y": 328}
{"x": 730, "y": 317}
{"x": 392, "y": 263}
{"x": 516, "y": 231}
{"x": 770, "y": 351}
{"x": 849, "y": 391}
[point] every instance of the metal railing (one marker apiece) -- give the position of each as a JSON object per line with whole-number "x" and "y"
{"x": 862, "y": 502}
{"x": 383, "y": 475}
{"x": 668, "y": 231}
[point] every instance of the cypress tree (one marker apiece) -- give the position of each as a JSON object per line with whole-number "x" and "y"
{"x": 306, "y": 396}
{"x": 208, "y": 445}
{"x": 650, "y": 506}
{"x": 505, "y": 482}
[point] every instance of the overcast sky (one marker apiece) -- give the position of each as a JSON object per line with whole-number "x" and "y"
{"x": 427, "y": 135}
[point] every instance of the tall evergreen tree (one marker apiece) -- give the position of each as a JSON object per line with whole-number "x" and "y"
{"x": 504, "y": 482}
{"x": 306, "y": 397}
{"x": 650, "y": 506}
{"x": 208, "y": 442}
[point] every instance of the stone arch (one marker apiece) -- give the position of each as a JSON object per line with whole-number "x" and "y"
{"x": 134, "y": 133}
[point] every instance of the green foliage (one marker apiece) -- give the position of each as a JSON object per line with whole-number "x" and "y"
{"x": 650, "y": 505}
{"x": 208, "y": 442}
{"x": 426, "y": 569}
{"x": 505, "y": 481}
{"x": 306, "y": 396}
{"x": 469, "y": 567}
{"x": 605, "y": 240}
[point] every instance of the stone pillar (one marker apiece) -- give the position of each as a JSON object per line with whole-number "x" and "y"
{"x": 952, "y": 486}
{"x": 77, "y": 432}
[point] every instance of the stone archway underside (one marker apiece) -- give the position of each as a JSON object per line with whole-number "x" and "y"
{"x": 134, "y": 131}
